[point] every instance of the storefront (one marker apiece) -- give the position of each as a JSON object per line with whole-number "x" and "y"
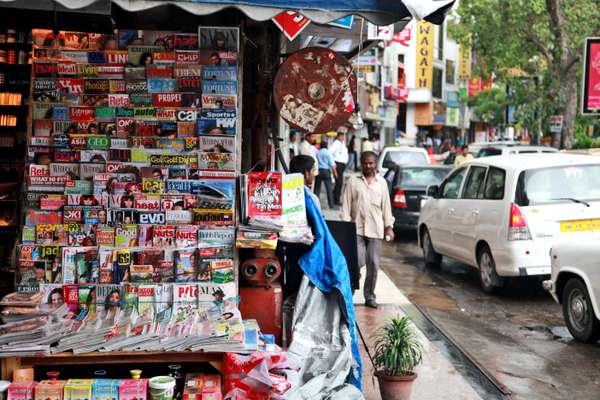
{"x": 134, "y": 138}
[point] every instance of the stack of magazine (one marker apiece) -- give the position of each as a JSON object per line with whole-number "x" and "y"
{"x": 182, "y": 317}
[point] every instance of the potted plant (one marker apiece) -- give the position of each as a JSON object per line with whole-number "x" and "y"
{"x": 398, "y": 351}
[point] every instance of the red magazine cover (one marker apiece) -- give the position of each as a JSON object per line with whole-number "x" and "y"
{"x": 264, "y": 194}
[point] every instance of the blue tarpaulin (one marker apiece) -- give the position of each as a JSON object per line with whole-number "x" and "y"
{"x": 325, "y": 266}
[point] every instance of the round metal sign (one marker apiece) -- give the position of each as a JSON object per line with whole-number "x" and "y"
{"x": 315, "y": 90}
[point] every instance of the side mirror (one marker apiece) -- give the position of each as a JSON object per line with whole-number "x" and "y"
{"x": 432, "y": 191}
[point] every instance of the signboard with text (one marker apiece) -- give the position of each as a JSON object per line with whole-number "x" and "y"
{"x": 591, "y": 77}
{"x": 424, "y": 70}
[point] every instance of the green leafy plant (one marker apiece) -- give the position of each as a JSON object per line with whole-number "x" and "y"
{"x": 398, "y": 349}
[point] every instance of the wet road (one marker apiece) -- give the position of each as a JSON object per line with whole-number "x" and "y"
{"x": 518, "y": 336}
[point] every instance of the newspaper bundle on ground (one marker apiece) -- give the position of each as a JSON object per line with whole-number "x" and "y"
{"x": 128, "y": 317}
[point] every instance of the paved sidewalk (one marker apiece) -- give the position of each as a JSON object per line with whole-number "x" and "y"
{"x": 437, "y": 380}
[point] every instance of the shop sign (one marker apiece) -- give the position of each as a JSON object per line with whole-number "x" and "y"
{"x": 439, "y": 113}
{"x": 452, "y": 116}
{"x": 291, "y": 23}
{"x": 452, "y": 99}
{"x": 464, "y": 63}
{"x": 556, "y": 123}
{"x": 375, "y": 32}
{"x": 591, "y": 77}
{"x": 344, "y": 23}
{"x": 424, "y": 74}
{"x": 403, "y": 37}
{"x": 475, "y": 86}
{"x": 423, "y": 114}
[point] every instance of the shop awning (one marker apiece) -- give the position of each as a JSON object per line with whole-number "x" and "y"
{"x": 381, "y": 12}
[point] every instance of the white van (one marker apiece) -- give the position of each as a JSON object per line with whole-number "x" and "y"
{"x": 502, "y": 214}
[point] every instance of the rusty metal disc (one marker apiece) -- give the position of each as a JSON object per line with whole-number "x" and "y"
{"x": 315, "y": 90}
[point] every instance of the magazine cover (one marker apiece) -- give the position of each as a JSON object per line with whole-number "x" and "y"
{"x": 217, "y": 122}
{"x": 186, "y": 265}
{"x": 218, "y": 38}
{"x": 109, "y": 300}
{"x": 141, "y": 273}
{"x": 130, "y": 298}
{"x": 186, "y": 236}
{"x": 216, "y": 161}
{"x": 185, "y": 301}
{"x": 106, "y": 258}
{"x": 163, "y": 302}
{"x": 216, "y": 144}
{"x": 214, "y": 194}
{"x": 216, "y": 237}
{"x": 264, "y": 197}
{"x": 145, "y": 308}
{"x": 219, "y": 73}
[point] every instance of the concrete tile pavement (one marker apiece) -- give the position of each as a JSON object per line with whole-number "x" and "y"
{"x": 438, "y": 379}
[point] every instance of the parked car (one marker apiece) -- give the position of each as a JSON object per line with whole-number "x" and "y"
{"x": 575, "y": 284}
{"x": 407, "y": 185}
{"x": 391, "y": 156}
{"x": 476, "y": 146}
{"x": 506, "y": 149}
{"x": 502, "y": 214}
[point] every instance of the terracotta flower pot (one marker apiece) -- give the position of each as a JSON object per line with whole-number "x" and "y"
{"x": 395, "y": 387}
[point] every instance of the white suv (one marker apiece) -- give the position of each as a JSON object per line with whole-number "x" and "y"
{"x": 502, "y": 214}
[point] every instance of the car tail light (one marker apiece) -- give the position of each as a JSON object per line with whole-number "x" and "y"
{"x": 399, "y": 199}
{"x": 517, "y": 226}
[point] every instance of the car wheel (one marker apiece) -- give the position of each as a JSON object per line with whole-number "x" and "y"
{"x": 432, "y": 258}
{"x": 579, "y": 313}
{"x": 488, "y": 277}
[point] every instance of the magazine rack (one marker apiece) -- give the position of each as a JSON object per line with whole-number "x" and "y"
{"x": 9, "y": 364}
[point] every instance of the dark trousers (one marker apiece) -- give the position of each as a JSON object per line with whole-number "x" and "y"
{"x": 325, "y": 177}
{"x": 339, "y": 182}
{"x": 369, "y": 253}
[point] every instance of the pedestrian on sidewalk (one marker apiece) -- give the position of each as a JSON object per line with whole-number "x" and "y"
{"x": 352, "y": 155}
{"x": 327, "y": 173}
{"x": 339, "y": 151}
{"x": 366, "y": 202}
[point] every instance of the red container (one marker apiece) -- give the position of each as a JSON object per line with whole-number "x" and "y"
{"x": 265, "y": 306}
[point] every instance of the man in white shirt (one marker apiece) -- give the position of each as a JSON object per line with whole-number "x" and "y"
{"x": 307, "y": 148}
{"x": 339, "y": 151}
{"x": 366, "y": 202}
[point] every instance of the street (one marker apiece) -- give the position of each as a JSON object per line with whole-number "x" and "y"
{"x": 518, "y": 336}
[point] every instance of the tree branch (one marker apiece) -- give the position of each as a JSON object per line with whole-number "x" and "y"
{"x": 531, "y": 38}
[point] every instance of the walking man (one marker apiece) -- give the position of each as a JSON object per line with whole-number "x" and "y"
{"x": 339, "y": 151}
{"x": 326, "y": 170}
{"x": 366, "y": 202}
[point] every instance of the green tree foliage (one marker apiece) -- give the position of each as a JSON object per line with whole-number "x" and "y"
{"x": 523, "y": 40}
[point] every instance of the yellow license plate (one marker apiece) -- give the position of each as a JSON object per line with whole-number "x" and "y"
{"x": 581, "y": 225}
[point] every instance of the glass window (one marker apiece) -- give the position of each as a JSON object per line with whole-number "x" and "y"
{"x": 490, "y": 151}
{"x": 451, "y": 187}
{"x": 438, "y": 79}
{"x": 404, "y": 157}
{"x": 494, "y": 184}
{"x": 559, "y": 185}
{"x": 450, "y": 72}
{"x": 474, "y": 186}
{"x": 421, "y": 176}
